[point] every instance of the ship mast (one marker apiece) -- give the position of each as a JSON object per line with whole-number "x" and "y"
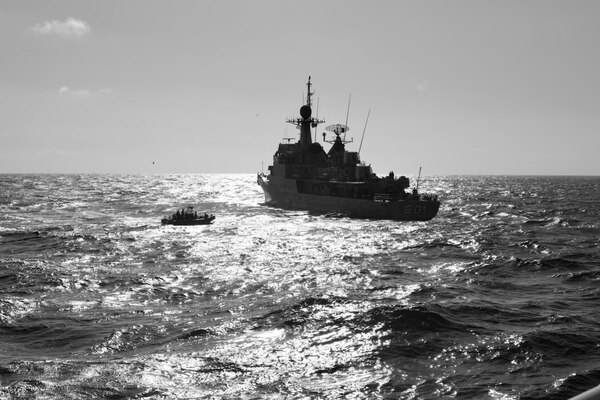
{"x": 308, "y": 93}
{"x": 306, "y": 121}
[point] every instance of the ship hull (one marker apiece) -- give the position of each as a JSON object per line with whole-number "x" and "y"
{"x": 197, "y": 221}
{"x": 283, "y": 193}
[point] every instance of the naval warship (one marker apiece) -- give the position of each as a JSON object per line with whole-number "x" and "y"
{"x": 305, "y": 177}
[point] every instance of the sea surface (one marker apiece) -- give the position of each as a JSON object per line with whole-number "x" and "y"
{"x": 498, "y": 297}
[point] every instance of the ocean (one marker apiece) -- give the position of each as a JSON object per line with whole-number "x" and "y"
{"x": 498, "y": 297}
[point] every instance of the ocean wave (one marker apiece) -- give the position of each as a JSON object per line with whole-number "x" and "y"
{"x": 571, "y": 386}
{"x": 496, "y": 297}
{"x": 414, "y": 321}
{"x": 557, "y": 344}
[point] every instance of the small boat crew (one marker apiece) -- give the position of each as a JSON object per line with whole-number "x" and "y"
{"x": 188, "y": 217}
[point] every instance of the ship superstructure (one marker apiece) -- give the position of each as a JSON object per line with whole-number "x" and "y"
{"x": 305, "y": 177}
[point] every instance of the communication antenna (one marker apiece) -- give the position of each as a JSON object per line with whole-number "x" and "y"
{"x": 364, "y": 130}
{"x": 317, "y": 118}
{"x": 347, "y": 113}
{"x": 418, "y": 178}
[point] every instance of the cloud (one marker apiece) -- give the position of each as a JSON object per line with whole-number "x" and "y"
{"x": 83, "y": 93}
{"x": 76, "y": 93}
{"x": 71, "y": 27}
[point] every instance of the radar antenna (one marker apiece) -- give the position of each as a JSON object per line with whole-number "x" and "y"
{"x": 338, "y": 129}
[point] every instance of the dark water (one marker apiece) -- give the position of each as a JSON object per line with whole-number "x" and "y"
{"x": 496, "y": 298}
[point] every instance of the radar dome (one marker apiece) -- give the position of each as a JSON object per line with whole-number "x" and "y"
{"x": 305, "y": 112}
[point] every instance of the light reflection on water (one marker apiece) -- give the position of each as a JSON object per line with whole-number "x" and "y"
{"x": 256, "y": 269}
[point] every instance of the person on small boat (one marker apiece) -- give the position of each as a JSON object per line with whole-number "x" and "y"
{"x": 415, "y": 194}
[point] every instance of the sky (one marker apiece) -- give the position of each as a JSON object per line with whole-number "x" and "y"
{"x": 456, "y": 87}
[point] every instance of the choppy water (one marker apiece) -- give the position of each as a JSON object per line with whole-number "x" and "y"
{"x": 496, "y": 298}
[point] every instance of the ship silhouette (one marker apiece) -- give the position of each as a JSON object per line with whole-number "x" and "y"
{"x": 305, "y": 177}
